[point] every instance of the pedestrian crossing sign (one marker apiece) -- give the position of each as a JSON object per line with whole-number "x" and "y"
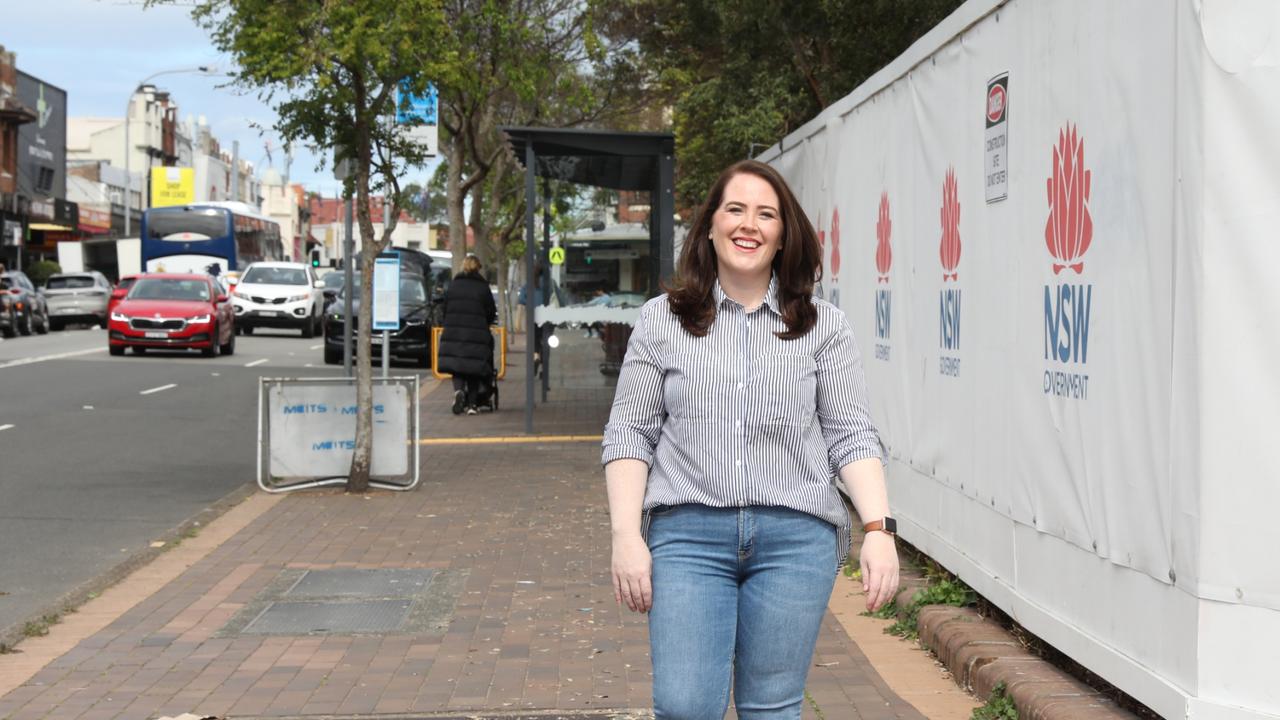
{"x": 557, "y": 256}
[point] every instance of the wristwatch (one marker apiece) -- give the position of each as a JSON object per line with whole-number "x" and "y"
{"x": 885, "y": 525}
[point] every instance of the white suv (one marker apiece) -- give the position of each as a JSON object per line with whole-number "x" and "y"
{"x": 278, "y": 295}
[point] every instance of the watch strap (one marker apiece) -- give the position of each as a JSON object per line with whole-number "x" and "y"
{"x": 886, "y": 525}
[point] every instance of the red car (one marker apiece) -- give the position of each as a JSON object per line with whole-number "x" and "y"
{"x": 119, "y": 291}
{"x": 171, "y": 310}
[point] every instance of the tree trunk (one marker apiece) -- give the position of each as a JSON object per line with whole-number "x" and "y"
{"x": 362, "y": 458}
{"x": 455, "y": 199}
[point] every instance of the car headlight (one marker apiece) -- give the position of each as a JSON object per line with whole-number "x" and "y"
{"x": 336, "y": 316}
{"x": 297, "y": 298}
{"x": 198, "y": 319}
{"x": 119, "y": 317}
{"x": 242, "y": 296}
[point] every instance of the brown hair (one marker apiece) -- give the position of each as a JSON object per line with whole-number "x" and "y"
{"x": 796, "y": 266}
{"x": 471, "y": 264}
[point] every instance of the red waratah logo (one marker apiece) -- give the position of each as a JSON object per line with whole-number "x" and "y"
{"x": 1070, "y": 228}
{"x": 835, "y": 243}
{"x": 884, "y": 228}
{"x": 950, "y": 248}
{"x": 995, "y": 103}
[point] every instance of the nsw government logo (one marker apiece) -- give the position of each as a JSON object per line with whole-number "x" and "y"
{"x": 884, "y": 260}
{"x": 949, "y": 295}
{"x": 1068, "y": 234}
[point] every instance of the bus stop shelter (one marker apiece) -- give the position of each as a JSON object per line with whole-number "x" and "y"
{"x": 600, "y": 158}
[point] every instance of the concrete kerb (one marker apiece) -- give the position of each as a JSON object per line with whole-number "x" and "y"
{"x": 70, "y": 601}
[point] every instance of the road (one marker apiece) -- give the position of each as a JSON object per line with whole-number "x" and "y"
{"x": 101, "y": 455}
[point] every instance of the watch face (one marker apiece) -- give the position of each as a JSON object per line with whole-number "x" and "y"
{"x": 891, "y": 525}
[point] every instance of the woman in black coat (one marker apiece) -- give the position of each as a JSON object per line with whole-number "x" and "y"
{"x": 466, "y": 345}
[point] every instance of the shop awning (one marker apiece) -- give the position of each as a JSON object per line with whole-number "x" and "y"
{"x": 50, "y": 227}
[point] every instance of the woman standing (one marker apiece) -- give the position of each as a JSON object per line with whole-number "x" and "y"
{"x": 740, "y": 399}
{"x": 466, "y": 345}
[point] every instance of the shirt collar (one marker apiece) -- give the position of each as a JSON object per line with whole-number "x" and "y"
{"x": 770, "y": 295}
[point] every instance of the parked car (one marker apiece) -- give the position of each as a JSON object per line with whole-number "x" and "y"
{"x": 417, "y": 309}
{"x": 77, "y": 297}
{"x": 171, "y": 310}
{"x": 121, "y": 289}
{"x": 278, "y": 295}
{"x": 22, "y": 307}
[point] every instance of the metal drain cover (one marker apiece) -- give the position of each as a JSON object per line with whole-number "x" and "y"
{"x": 305, "y": 618}
{"x": 348, "y": 582}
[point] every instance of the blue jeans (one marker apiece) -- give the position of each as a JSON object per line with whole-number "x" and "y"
{"x": 737, "y": 592}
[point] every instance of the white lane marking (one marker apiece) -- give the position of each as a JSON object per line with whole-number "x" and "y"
{"x": 6, "y": 427}
{"x": 43, "y": 358}
{"x": 259, "y": 361}
{"x": 316, "y": 347}
{"x": 216, "y": 374}
{"x": 158, "y": 389}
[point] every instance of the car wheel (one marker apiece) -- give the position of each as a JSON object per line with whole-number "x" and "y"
{"x": 43, "y": 327}
{"x": 116, "y": 350}
{"x": 247, "y": 330}
{"x": 12, "y": 328}
{"x": 25, "y": 326}
{"x": 230, "y": 347}
{"x": 332, "y": 356}
{"x": 425, "y": 360}
{"x": 309, "y": 327}
{"x": 212, "y": 350}
{"x": 102, "y": 323}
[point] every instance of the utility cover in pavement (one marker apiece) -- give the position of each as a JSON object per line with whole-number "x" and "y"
{"x": 347, "y": 582}
{"x": 304, "y": 618}
{"x": 349, "y": 601}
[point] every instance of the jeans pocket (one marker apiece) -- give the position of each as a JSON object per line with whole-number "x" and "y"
{"x": 646, "y": 518}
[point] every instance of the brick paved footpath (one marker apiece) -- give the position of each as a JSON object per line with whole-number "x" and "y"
{"x": 522, "y": 526}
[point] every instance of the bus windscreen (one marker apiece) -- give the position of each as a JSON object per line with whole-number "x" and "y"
{"x": 188, "y": 225}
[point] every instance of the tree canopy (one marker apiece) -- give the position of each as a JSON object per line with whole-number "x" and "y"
{"x": 741, "y": 74}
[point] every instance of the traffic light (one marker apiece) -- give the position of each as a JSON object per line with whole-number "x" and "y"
{"x": 315, "y": 257}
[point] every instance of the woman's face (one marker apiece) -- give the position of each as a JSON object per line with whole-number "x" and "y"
{"x": 747, "y": 228}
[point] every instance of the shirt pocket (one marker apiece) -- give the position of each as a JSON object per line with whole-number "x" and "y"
{"x": 786, "y": 388}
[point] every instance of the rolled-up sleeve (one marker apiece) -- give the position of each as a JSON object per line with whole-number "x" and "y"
{"x": 635, "y": 422}
{"x": 843, "y": 402}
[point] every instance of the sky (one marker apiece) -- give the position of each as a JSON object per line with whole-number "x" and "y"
{"x": 98, "y": 50}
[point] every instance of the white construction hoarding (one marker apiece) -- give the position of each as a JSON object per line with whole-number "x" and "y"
{"x": 1069, "y": 330}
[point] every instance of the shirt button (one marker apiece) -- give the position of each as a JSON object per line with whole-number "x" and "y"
{"x": 739, "y": 386}
{"x": 737, "y": 423}
{"x": 737, "y": 462}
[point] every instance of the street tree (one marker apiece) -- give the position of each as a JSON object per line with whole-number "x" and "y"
{"x": 525, "y": 62}
{"x": 331, "y": 71}
{"x": 741, "y": 74}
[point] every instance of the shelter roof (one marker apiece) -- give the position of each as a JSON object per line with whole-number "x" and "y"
{"x": 601, "y": 158}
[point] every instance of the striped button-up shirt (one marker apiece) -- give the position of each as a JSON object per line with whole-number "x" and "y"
{"x": 740, "y": 417}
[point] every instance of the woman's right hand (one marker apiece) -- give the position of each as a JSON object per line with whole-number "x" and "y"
{"x": 632, "y": 566}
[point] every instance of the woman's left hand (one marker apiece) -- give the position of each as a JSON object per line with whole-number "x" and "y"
{"x": 879, "y": 562}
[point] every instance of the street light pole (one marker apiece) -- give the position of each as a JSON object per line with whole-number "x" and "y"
{"x": 128, "y": 112}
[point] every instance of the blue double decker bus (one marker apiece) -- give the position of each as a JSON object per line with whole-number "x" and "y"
{"x": 213, "y": 237}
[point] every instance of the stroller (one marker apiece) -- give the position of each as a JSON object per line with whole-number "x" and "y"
{"x": 486, "y": 391}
